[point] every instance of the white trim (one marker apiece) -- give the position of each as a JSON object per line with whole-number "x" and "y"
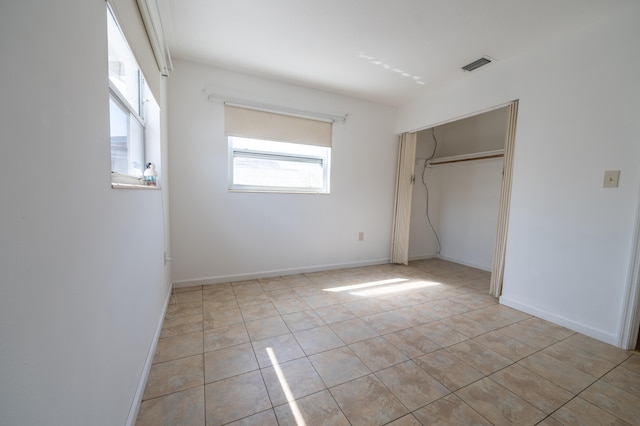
{"x": 276, "y": 273}
{"x": 142, "y": 383}
{"x": 560, "y": 320}
{"x": 630, "y": 317}
{"x": 116, "y": 185}
{"x": 459, "y": 117}
{"x": 466, "y": 263}
{"x": 450, "y": 259}
{"x": 422, "y": 257}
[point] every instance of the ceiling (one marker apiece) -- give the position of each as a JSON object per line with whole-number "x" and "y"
{"x": 380, "y": 50}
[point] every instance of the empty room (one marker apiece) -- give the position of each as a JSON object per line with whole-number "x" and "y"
{"x": 287, "y": 212}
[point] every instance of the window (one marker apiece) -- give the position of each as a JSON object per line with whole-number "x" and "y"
{"x": 260, "y": 165}
{"x": 274, "y": 152}
{"x": 131, "y": 109}
{"x": 127, "y": 140}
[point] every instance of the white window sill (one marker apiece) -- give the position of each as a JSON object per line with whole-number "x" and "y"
{"x": 276, "y": 191}
{"x": 122, "y": 181}
{"x": 115, "y": 185}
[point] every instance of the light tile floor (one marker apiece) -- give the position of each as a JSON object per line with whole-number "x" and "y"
{"x": 398, "y": 345}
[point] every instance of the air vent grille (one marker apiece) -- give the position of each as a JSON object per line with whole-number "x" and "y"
{"x": 476, "y": 64}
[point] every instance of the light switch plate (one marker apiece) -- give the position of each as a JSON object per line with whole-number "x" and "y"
{"x": 611, "y": 178}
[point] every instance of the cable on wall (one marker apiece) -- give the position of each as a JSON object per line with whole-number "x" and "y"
{"x": 424, "y": 182}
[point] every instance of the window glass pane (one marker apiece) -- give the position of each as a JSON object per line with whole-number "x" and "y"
{"x": 276, "y": 172}
{"x": 119, "y": 129}
{"x": 123, "y": 69}
{"x": 278, "y": 166}
{"x": 127, "y": 141}
{"x": 136, "y": 147}
{"x": 282, "y": 147}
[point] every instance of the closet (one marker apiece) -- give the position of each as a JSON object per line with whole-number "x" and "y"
{"x": 457, "y": 177}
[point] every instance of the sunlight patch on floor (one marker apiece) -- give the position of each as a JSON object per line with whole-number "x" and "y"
{"x": 365, "y": 285}
{"x": 396, "y": 288}
{"x": 286, "y": 389}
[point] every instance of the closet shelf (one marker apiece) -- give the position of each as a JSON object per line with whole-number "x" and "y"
{"x": 467, "y": 157}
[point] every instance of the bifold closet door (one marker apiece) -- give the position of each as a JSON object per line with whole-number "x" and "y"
{"x": 497, "y": 269}
{"x": 404, "y": 192}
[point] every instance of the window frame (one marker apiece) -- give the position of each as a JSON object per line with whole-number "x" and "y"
{"x": 323, "y": 160}
{"x": 116, "y": 96}
{"x": 136, "y": 112}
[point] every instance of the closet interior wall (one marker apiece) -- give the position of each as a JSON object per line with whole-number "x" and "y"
{"x": 463, "y": 197}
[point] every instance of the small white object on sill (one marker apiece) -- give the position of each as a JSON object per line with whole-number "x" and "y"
{"x": 150, "y": 175}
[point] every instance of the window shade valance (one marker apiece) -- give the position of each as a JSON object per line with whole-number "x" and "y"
{"x": 256, "y": 124}
{"x": 130, "y": 20}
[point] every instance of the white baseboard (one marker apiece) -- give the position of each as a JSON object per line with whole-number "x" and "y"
{"x": 466, "y": 263}
{"x": 276, "y": 273}
{"x": 142, "y": 383}
{"x": 451, "y": 259}
{"x": 423, "y": 257}
{"x": 562, "y": 321}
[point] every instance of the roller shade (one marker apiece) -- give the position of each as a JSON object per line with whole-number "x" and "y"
{"x": 257, "y": 124}
{"x": 130, "y": 20}
{"x": 150, "y": 11}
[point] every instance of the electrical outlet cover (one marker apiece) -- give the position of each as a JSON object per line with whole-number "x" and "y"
{"x": 611, "y": 178}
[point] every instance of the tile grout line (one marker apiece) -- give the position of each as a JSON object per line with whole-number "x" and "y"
{"x": 342, "y": 302}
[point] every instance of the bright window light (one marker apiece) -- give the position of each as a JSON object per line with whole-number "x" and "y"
{"x": 133, "y": 112}
{"x": 260, "y": 165}
{"x": 124, "y": 73}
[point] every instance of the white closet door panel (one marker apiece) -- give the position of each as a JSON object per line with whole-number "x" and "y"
{"x": 404, "y": 193}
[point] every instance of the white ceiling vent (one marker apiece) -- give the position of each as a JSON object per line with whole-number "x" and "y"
{"x": 477, "y": 64}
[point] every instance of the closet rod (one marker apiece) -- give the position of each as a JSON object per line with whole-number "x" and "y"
{"x": 466, "y": 159}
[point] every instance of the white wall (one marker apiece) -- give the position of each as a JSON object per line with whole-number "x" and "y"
{"x": 468, "y": 211}
{"x": 463, "y": 208}
{"x": 463, "y": 197}
{"x": 479, "y": 133}
{"x": 81, "y": 267}
{"x": 422, "y": 240}
{"x": 222, "y": 236}
{"x": 568, "y": 248}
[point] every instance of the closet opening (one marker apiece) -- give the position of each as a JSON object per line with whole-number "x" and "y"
{"x": 460, "y": 192}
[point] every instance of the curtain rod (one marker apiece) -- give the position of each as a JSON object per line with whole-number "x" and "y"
{"x": 276, "y": 109}
{"x": 467, "y": 157}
